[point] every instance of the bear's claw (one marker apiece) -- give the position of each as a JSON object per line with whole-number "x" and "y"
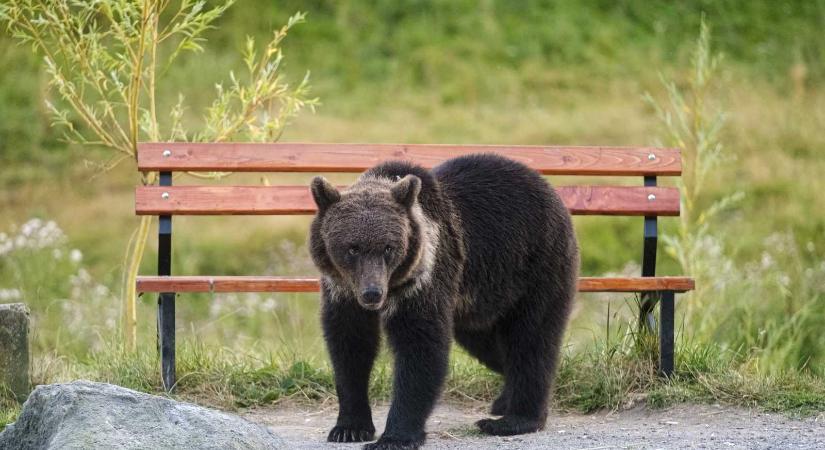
{"x": 509, "y": 425}
{"x": 350, "y": 434}
{"x": 395, "y": 444}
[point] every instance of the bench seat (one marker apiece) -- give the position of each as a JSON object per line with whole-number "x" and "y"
{"x": 160, "y": 284}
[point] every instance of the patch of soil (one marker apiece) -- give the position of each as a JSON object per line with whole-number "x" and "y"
{"x": 682, "y": 426}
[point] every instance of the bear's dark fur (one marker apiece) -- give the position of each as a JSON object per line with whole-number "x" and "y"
{"x": 479, "y": 248}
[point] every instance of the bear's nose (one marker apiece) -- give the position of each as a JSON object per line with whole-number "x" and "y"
{"x": 372, "y": 295}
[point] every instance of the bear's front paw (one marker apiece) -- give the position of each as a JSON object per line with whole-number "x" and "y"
{"x": 389, "y": 443}
{"x": 341, "y": 433}
{"x": 509, "y": 425}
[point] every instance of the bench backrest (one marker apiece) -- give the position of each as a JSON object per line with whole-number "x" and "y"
{"x": 647, "y": 200}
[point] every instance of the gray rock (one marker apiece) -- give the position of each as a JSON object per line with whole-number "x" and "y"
{"x": 14, "y": 340}
{"x": 87, "y": 415}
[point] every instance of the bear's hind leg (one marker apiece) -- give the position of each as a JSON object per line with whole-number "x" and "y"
{"x": 486, "y": 347}
{"x": 501, "y": 404}
{"x": 532, "y": 341}
{"x": 523, "y": 401}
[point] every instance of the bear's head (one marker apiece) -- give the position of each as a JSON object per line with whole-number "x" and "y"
{"x": 367, "y": 237}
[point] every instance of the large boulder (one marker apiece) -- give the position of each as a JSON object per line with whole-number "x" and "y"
{"x": 87, "y": 415}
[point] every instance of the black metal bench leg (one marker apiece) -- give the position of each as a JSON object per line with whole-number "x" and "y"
{"x": 166, "y": 300}
{"x": 647, "y": 322}
{"x": 166, "y": 329}
{"x": 666, "y": 333}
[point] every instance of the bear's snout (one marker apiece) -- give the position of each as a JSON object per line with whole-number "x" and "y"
{"x": 372, "y": 283}
{"x": 371, "y": 297}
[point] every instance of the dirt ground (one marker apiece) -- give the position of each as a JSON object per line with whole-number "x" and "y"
{"x": 683, "y": 426}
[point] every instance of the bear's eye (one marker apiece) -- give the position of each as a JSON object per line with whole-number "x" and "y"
{"x": 354, "y": 250}
{"x": 388, "y": 250}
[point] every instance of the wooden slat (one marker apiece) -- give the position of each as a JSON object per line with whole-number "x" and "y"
{"x": 297, "y": 200}
{"x": 636, "y": 284}
{"x": 312, "y": 157}
{"x": 311, "y": 284}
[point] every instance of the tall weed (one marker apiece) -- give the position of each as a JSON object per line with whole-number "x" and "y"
{"x": 762, "y": 310}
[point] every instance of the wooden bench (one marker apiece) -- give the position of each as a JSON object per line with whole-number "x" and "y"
{"x": 165, "y": 200}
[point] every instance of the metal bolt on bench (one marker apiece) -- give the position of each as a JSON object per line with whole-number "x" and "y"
{"x": 649, "y": 201}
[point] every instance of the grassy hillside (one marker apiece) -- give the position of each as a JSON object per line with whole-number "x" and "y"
{"x": 470, "y": 52}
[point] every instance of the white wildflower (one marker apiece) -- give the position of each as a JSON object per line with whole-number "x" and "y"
{"x": 75, "y": 256}
{"x": 6, "y": 246}
{"x": 49, "y": 235}
{"x": 269, "y": 305}
{"x": 30, "y": 227}
{"x": 10, "y": 295}
{"x": 101, "y": 291}
{"x": 33, "y": 234}
{"x": 767, "y": 260}
{"x": 780, "y": 242}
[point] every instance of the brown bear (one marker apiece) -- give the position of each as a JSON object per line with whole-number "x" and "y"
{"x": 480, "y": 249}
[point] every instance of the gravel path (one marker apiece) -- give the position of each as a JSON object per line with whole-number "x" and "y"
{"x": 683, "y": 426}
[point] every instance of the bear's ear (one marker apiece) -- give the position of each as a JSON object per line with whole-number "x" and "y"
{"x": 324, "y": 193}
{"x": 406, "y": 190}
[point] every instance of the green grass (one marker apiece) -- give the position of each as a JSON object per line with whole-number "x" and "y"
{"x": 608, "y": 375}
{"x": 8, "y": 414}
